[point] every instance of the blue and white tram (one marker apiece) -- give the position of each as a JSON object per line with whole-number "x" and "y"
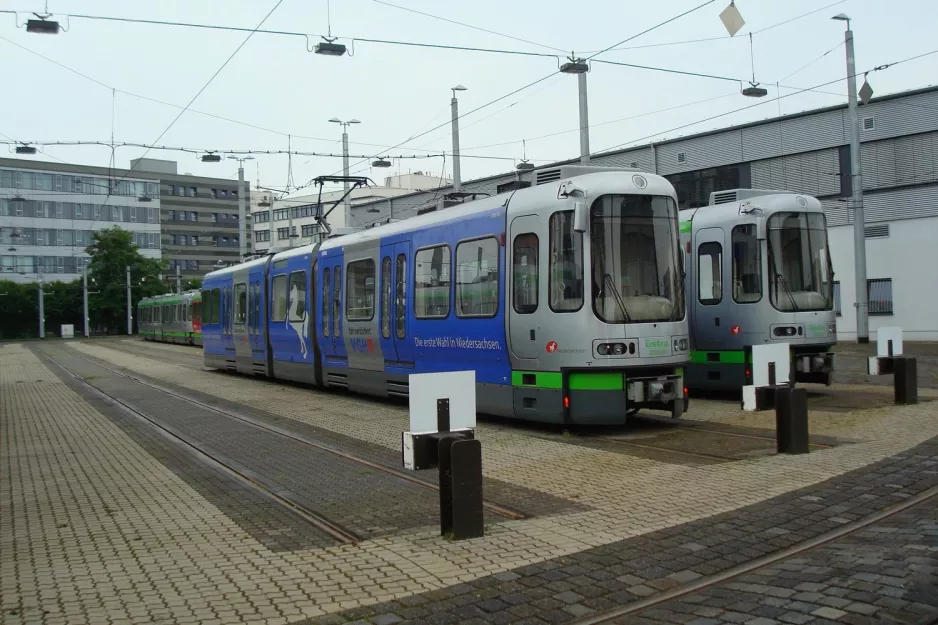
{"x": 587, "y": 326}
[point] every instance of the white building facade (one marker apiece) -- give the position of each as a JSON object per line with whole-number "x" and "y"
{"x": 48, "y": 215}
{"x": 808, "y": 153}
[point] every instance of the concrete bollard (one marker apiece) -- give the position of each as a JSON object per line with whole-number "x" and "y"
{"x": 905, "y": 380}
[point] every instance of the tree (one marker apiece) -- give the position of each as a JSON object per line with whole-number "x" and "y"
{"x": 111, "y": 251}
{"x": 19, "y": 316}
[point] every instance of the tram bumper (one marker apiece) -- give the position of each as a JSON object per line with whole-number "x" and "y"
{"x": 816, "y": 368}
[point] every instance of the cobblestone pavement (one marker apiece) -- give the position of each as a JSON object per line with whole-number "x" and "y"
{"x": 641, "y": 517}
{"x": 884, "y": 573}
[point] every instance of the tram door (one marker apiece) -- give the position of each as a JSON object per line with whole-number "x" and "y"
{"x": 528, "y": 237}
{"x": 712, "y": 324}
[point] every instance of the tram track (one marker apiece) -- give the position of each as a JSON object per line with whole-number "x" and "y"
{"x": 498, "y": 509}
{"x": 703, "y": 583}
{"x": 321, "y": 522}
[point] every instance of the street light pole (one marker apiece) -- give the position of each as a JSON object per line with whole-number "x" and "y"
{"x": 345, "y": 167}
{"x": 84, "y": 298}
{"x": 454, "y": 103}
{"x": 130, "y": 323}
{"x": 242, "y": 217}
{"x": 859, "y": 230}
{"x": 42, "y": 307}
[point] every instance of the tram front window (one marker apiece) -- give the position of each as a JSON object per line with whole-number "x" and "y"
{"x": 636, "y": 276}
{"x": 800, "y": 276}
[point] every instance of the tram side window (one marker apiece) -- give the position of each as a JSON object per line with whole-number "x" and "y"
{"x": 565, "y": 287}
{"x": 524, "y": 281}
{"x": 278, "y": 301}
{"x": 386, "y": 297}
{"x": 197, "y": 312}
{"x": 710, "y": 265}
{"x": 297, "y": 305}
{"x": 747, "y": 265}
{"x": 250, "y": 307}
{"x": 326, "y": 298}
{"x": 241, "y": 303}
{"x": 400, "y": 297}
{"x": 360, "y": 290}
{"x": 216, "y": 306}
{"x": 477, "y": 278}
{"x": 257, "y": 308}
{"x": 431, "y": 282}
{"x": 336, "y": 300}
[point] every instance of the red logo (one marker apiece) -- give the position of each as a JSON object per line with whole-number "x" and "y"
{"x": 735, "y": 330}
{"x": 552, "y": 347}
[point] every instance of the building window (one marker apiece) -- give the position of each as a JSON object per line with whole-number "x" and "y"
{"x": 309, "y": 230}
{"x": 879, "y": 295}
{"x": 360, "y": 290}
{"x": 193, "y": 216}
{"x": 524, "y": 279}
{"x": 709, "y": 272}
{"x": 747, "y": 265}
{"x": 193, "y": 192}
{"x": 477, "y": 278}
{"x": 431, "y": 282}
{"x": 182, "y": 239}
{"x": 262, "y": 217}
{"x": 194, "y": 239}
{"x": 170, "y": 215}
{"x": 278, "y": 311}
{"x": 172, "y": 189}
{"x": 837, "y": 298}
{"x": 565, "y": 286}
{"x": 297, "y": 296}
{"x": 214, "y": 217}
{"x": 283, "y": 234}
{"x": 261, "y": 235}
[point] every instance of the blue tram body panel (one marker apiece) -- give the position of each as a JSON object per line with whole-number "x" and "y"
{"x": 215, "y": 343}
{"x": 288, "y": 324}
{"x": 461, "y": 337}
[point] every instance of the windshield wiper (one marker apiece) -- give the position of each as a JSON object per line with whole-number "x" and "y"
{"x": 791, "y": 297}
{"x": 607, "y": 281}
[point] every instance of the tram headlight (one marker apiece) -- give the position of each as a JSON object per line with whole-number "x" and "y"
{"x": 679, "y": 344}
{"x": 614, "y": 349}
{"x": 618, "y": 349}
{"x": 831, "y": 329}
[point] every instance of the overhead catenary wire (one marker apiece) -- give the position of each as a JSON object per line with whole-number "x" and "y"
{"x": 240, "y": 151}
{"x": 540, "y": 80}
{"x": 761, "y": 103}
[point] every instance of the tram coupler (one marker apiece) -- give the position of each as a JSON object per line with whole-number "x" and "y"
{"x": 813, "y": 368}
{"x": 659, "y": 393}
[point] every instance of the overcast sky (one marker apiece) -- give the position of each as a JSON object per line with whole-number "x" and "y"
{"x": 398, "y": 92}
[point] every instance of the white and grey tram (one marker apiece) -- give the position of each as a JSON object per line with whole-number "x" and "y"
{"x": 758, "y": 272}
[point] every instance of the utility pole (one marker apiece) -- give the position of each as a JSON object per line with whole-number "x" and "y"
{"x": 859, "y": 229}
{"x": 584, "y": 120}
{"x": 84, "y": 298}
{"x": 345, "y": 167}
{"x": 42, "y": 306}
{"x": 580, "y": 67}
{"x": 130, "y": 322}
{"x": 242, "y": 217}
{"x": 178, "y": 281}
{"x": 454, "y": 104}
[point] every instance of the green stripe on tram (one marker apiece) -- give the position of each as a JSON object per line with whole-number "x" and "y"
{"x": 578, "y": 381}
{"x": 733, "y": 357}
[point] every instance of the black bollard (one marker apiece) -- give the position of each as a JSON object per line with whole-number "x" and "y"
{"x": 905, "y": 380}
{"x": 791, "y": 420}
{"x": 445, "y": 459}
{"x": 466, "y": 475}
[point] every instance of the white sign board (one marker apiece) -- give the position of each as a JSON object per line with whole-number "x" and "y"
{"x": 883, "y": 336}
{"x": 68, "y": 331}
{"x": 426, "y": 388}
{"x": 762, "y": 355}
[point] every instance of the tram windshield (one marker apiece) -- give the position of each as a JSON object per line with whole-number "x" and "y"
{"x": 636, "y": 272}
{"x": 800, "y": 276}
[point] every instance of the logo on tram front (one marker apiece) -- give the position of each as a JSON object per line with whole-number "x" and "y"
{"x": 551, "y": 347}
